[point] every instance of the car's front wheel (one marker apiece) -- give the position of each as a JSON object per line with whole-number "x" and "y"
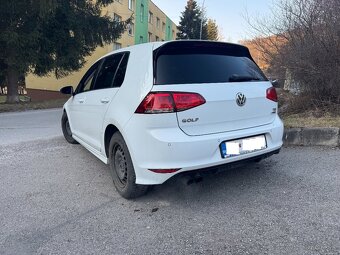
{"x": 121, "y": 168}
{"x": 65, "y": 126}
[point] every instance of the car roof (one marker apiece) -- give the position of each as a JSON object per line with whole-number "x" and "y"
{"x": 154, "y": 45}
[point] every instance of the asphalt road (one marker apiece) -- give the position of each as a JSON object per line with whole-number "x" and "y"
{"x": 29, "y": 126}
{"x": 57, "y": 198}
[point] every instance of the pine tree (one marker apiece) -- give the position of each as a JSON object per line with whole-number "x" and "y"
{"x": 190, "y": 22}
{"x": 41, "y": 36}
{"x": 213, "y": 33}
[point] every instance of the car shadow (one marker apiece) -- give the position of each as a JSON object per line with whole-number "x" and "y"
{"x": 226, "y": 183}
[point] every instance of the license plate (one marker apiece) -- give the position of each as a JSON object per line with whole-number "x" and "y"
{"x": 243, "y": 146}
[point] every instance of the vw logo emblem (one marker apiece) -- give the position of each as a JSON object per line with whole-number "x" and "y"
{"x": 241, "y": 99}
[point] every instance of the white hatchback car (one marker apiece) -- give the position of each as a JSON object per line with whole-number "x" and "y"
{"x": 154, "y": 110}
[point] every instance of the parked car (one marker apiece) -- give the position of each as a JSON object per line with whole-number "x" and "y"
{"x": 154, "y": 110}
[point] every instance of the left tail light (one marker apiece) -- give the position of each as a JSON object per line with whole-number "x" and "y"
{"x": 166, "y": 102}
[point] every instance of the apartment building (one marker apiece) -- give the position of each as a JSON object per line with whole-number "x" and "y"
{"x": 149, "y": 24}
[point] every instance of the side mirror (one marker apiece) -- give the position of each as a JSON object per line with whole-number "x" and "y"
{"x": 275, "y": 83}
{"x": 68, "y": 90}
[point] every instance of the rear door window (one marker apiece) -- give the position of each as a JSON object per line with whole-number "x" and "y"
{"x": 107, "y": 72}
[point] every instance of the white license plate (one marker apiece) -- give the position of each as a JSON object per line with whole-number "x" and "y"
{"x": 243, "y": 146}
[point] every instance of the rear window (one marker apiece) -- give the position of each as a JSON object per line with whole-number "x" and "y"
{"x": 204, "y": 65}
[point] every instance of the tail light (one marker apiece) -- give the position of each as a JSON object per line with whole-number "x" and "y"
{"x": 165, "y": 102}
{"x": 271, "y": 94}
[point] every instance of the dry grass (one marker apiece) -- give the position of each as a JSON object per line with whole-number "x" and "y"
{"x": 301, "y": 111}
{"x": 3, "y": 99}
{"x": 299, "y": 120}
{"x": 32, "y": 105}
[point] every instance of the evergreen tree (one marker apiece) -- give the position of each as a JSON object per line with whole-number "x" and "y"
{"x": 212, "y": 30}
{"x": 41, "y": 36}
{"x": 190, "y": 23}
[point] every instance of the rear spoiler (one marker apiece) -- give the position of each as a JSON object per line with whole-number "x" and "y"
{"x": 188, "y": 46}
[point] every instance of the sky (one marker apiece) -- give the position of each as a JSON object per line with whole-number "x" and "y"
{"x": 229, "y": 14}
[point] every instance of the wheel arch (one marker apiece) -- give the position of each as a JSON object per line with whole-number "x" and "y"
{"x": 109, "y": 131}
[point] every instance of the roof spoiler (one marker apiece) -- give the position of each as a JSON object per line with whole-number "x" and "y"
{"x": 190, "y": 46}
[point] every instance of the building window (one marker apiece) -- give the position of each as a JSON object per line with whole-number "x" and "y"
{"x": 131, "y": 5}
{"x": 150, "y": 17}
{"x": 169, "y": 31}
{"x": 157, "y": 39}
{"x": 142, "y": 13}
{"x": 117, "y": 46}
{"x": 163, "y": 27}
{"x": 141, "y": 39}
{"x": 117, "y": 18}
{"x": 173, "y": 35}
{"x": 150, "y": 37}
{"x": 130, "y": 28}
{"x": 158, "y": 23}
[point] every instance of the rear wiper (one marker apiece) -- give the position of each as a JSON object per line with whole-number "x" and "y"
{"x": 239, "y": 78}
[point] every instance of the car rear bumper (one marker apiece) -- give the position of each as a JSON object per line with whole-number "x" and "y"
{"x": 170, "y": 148}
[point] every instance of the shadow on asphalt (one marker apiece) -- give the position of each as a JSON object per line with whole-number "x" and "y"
{"x": 226, "y": 183}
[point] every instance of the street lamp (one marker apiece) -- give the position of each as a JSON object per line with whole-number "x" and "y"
{"x": 202, "y": 16}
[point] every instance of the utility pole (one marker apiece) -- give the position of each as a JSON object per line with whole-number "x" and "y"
{"x": 202, "y": 16}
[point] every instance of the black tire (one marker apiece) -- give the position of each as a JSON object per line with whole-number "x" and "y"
{"x": 122, "y": 170}
{"x": 65, "y": 126}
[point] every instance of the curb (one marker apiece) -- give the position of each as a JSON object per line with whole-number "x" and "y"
{"x": 312, "y": 137}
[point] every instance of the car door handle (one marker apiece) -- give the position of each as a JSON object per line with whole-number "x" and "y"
{"x": 104, "y": 100}
{"x": 81, "y": 100}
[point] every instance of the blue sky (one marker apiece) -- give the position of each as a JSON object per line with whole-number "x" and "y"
{"x": 227, "y": 13}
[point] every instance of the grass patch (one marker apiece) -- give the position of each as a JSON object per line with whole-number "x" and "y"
{"x": 3, "y": 99}
{"x": 32, "y": 105}
{"x": 300, "y": 120}
{"x": 302, "y": 111}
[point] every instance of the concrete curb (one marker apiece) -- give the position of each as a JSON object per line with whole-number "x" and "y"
{"x": 312, "y": 137}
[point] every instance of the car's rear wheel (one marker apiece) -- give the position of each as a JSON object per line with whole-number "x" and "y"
{"x": 65, "y": 126}
{"x": 121, "y": 168}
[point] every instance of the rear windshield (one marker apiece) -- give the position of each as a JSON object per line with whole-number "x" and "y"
{"x": 192, "y": 66}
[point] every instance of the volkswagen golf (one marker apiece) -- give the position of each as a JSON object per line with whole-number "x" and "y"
{"x": 155, "y": 110}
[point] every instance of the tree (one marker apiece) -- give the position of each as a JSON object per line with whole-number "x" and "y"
{"x": 190, "y": 22}
{"x": 41, "y": 36}
{"x": 212, "y": 30}
{"x": 303, "y": 40}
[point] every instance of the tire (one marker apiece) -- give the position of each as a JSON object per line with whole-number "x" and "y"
{"x": 65, "y": 126}
{"x": 122, "y": 170}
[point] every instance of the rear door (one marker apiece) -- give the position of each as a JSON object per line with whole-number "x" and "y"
{"x": 225, "y": 75}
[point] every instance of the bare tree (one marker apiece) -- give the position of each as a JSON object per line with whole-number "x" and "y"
{"x": 303, "y": 37}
